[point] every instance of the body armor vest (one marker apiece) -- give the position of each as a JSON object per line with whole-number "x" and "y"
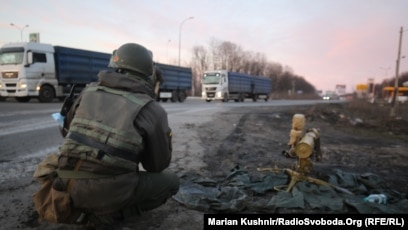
{"x": 98, "y": 125}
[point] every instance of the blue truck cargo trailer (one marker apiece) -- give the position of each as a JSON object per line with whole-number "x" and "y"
{"x": 177, "y": 81}
{"x": 76, "y": 66}
{"x": 225, "y": 85}
{"x": 36, "y": 70}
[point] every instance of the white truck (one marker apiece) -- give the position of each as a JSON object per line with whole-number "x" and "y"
{"x": 35, "y": 70}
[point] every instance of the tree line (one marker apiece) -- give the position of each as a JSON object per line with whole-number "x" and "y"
{"x": 378, "y": 88}
{"x": 224, "y": 55}
{"x": 403, "y": 77}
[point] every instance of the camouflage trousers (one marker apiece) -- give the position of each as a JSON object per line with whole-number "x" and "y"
{"x": 153, "y": 190}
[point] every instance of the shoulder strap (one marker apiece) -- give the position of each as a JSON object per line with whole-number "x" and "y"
{"x": 130, "y": 96}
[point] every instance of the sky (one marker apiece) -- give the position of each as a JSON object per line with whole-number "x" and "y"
{"x": 327, "y": 42}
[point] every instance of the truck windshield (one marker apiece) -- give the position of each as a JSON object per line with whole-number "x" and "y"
{"x": 11, "y": 56}
{"x": 211, "y": 79}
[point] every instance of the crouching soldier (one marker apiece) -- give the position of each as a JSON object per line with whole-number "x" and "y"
{"x": 113, "y": 126}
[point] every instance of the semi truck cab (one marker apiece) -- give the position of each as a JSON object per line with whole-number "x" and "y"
{"x": 215, "y": 86}
{"x": 27, "y": 70}
{"x": 43, "y": 71}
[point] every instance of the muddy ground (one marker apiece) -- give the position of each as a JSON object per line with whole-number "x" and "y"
{"x": 355, "y": 137}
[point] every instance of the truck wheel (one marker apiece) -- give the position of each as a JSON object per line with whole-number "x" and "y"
{"x": 46, "y": 94}
{"x": 241, "y": 97}
{"x": 23, "y": 99}
{"x": 181, "y": 96}
{"x": 174, "y": 96}
{"x": 208, "y": 100}
{"x": 225, "y": 99}
{"x": 238, "y": 98}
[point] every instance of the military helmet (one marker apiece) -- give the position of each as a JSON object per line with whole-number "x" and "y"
{"x": 132, "y": 57}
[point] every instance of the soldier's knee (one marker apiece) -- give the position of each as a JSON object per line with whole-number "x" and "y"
{"x": 173, "y": 181}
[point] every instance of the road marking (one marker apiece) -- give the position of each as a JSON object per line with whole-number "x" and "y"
{"x": 14, "y": 127}
{"x": 27, "y": 112}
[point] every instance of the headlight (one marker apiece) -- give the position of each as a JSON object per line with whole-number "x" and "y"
{"x": 23, "y": 85}
{"x": 203, "y": 94}
{"x": 219, "y": 94}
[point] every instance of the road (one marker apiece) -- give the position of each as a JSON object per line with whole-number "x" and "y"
{"x": 27, "y": 129}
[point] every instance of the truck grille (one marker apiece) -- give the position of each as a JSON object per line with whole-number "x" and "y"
{"x": 210, "y": 88}
{"x": 210, "y": 95}
{"x": 9, "y": 74}
{"x": 11, "y": 87}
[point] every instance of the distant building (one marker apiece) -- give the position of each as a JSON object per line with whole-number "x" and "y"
{"x": 340, "y": 89}
{"x": 361, "y": 90}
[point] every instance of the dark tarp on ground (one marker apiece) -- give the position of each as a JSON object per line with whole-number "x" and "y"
{"x": 239, "y": 192}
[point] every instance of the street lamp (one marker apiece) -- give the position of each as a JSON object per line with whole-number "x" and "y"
{"x": 167, "y": 50}
{"x": 19, "y": 28}
{"x": 181, "y": 24}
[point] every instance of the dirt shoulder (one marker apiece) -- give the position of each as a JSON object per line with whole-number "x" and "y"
{"x": 350, "y": 140}
{"x": 356, "y": 138}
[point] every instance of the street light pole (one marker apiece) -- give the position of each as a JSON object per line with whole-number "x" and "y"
{"x": 181, "y": 24}
{"x": 19, "y": 28}
{"x": 167, "y": 50}
{"x": 395, "y": 96}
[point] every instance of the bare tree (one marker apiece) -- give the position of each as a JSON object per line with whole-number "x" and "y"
{"x": 200, "y": 58}
{"x": 215, "y": 57}
{"x": 200, "y": 64}
{"x": 274, "y": 71}
{"x": 229, "y": 56}
{"x": 257, "y": 64}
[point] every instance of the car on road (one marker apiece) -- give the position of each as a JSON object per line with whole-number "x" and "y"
{"x": 330, "y": 97}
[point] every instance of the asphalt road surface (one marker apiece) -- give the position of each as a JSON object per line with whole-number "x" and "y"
{"x": 28, "y": 132}
{"x": 28, "y": 129}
